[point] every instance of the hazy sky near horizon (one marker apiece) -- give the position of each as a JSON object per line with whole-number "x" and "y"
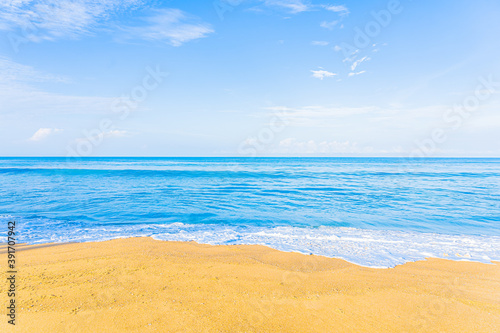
{"x": 249, "y": 78}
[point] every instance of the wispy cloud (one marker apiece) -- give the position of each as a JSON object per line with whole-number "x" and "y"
{"x": 43, "y": 133}
{"x": 31, "y": 100}
{"x": 329, "y": 25}
{"x": 321, "y": 74}
{"x": 171, "y": 26}
{"x": 356, "y": 73}
{"x": 39, "y": 20}
{"x": 354, "y": 58}
{"x": 357, "y": 62}
{"x": 321, "y": 116}
{"x": 294, "y": 146}
{"x": 340, "y": 9}
{"x": 293, "y": 6}
{"x": 117, "y": 133}
{"x": 13, "y": 72}
{"x": 20, "y": 92}
{"x": 52, "y": 19}
{"x": 104, "y": 134}
{"x": 319, "y": 43}
{"x": 329, "y": 129}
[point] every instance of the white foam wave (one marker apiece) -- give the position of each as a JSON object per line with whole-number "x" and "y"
{"x": 372, "y": 248}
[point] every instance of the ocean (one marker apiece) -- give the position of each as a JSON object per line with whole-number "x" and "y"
{"x": 376, "y": 212}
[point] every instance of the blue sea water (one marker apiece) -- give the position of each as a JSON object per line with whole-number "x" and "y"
{"x": 376, "y": 212}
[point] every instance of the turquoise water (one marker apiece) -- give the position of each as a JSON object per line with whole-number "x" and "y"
{"x": 372, "y": 211}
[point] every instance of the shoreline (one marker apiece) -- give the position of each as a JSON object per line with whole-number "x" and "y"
{"x": 365, "y": 247}
{"x": 27, "y": 246}
{"x": 141, "y": 284}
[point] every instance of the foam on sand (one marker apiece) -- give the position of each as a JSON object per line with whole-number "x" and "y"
{"x": 372, "y": 248}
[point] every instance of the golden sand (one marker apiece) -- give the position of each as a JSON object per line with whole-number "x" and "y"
{"x": 143, "y": 285}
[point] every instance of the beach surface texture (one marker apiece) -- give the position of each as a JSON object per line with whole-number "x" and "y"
{"x": 143, "y": 285}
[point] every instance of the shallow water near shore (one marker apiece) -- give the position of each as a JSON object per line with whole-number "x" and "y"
{"x": 376, "y": 212}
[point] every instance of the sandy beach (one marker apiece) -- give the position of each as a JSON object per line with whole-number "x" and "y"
{"x": 142, "y": 285}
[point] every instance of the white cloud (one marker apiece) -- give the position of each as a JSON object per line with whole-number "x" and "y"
{"x": 341, "y": 9}
{"x": 357, "y": 62}
{"x": 323, "y": 112}
{"x": 356, "y": 73}
{"x": 38, "y": 20}
{"x": 294, "y": 146}
{"x": 321, "y": 74}
{"x": 19, "y": 93}
{"x": 104, "y": 134}
{"x": 321, "y": 116}
{"x": 293, "y": 6}
{"x": 14, "y": 72}
{"x": 384, "y": 130}
{"x": 116, "y": 133}
{"x": 30, "y": 100}
{"x": 352, "y": 56}
{"x": 319, "y": 43}
{"x": 43, "y": 133}
{"x": 171, "y": 26}
{"x": 329, "y": 25}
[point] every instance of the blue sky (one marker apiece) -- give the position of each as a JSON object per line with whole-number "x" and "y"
{"x": 249, "y": 78}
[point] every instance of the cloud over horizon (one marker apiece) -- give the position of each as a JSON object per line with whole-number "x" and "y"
{"x": 43, "y": 133}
